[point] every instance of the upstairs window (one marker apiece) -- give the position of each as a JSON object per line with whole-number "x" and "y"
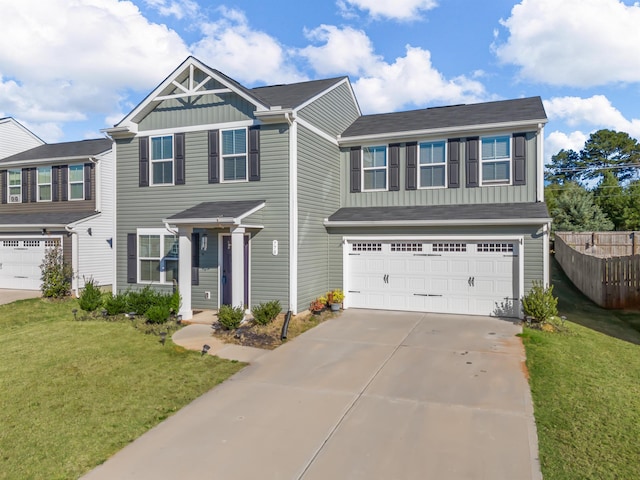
{"x": 157, "y": 258}
{"x": 76, "y": 182}
{"x": 162, "y": 160}
{"x": 15, "y": 186}
{"x": 433, "y": 164}
{"x": 374, "y": 168}
{"x": 496, "y": 160}
{"x": 234, "y": 155}
{"x": 44, "y": 184}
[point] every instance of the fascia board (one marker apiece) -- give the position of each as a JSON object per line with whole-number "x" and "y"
{"x": 433, "y": 223}
{"x": 445, "y": 131}
{"x": 85, "y": 219}
{"x": 46, "y": 161}
{"x": 250, "y": 212}
{"x": 32, "y": 226}
{"x": 320, "y": 94}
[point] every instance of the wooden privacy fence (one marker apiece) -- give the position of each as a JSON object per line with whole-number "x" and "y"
{"x": 610, "y": 281}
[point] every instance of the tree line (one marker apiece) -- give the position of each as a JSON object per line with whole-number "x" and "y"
{"x": 597, "y": 188}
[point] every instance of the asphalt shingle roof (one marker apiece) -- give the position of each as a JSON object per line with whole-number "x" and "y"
{"x": 230, "y": 209}
{"x": 293, "y": 94}
{"x": 43, "y": 218}
{"x": 448, "y": 117}
{"x": 81, "y": 148}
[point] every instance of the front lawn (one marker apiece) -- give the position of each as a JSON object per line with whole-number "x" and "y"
{"x": 73, "y": 393}
{"x": 586, "y": 390}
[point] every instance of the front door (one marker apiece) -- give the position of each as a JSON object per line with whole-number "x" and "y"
{"x": 225, "y": 277}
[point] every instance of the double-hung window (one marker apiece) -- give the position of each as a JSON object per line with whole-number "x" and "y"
{"x": 496, "y": 159}
{"x": 44, "y": 184}
{"x": 157, "y": 257}
{"x": 162, "y": 160}
{"x": 76, "y": 182}
{"x": 15, "y": 185}
{"x": 433, "y": 164}
{"x": 234, "y": 155}
{"x": 374, "y": 168}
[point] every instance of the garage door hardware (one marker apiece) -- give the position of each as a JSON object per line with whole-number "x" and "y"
{"x": 426, "y": 295}
{"x": 472, "y": 281}
{"x": 354, "y": 291}
{"x": 427, "y": 255}
{"x": 385, "y": 279}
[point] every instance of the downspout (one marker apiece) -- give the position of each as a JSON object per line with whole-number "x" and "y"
{"x": 293, "y": 212}
{"x": 75, "y": 259}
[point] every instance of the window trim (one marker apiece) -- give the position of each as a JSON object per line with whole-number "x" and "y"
{"x": 234, "y": 155}
{"x": 162, "y": 233}
{"x": 364, "y": 169}
{"x": 152, "y": 161}
{"x": 44, "y": 184}
{"x": 69, "y": 183}
{"x": 427, "y": 165}
{"x": 496, "y": 183}
{"x": 9, "y": 186}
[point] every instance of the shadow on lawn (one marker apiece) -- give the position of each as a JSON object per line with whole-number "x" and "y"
{"x": 621, "y": 324}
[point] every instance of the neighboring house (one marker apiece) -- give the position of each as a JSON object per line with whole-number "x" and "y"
{"x": 15, "y": 138}
{"x": 57, "y": 194}
{"x": 242, "y": 196}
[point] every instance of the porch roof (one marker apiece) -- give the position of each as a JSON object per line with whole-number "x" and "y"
{"x": 41, "y": 219}
{"x": 229, "y": 213}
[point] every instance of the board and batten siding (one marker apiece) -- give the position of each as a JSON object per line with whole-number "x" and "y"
{"x": 443, "y": 196}
{"x": 205, "y": 110}
{"x": 145, "y": 207}
{"x": 333, "y": 112}
{"x": 318, "y": 198}
{"x": 533, "y": 244}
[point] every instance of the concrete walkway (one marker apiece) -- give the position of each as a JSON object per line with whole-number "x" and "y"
{"x": 369, "y": 395}
{"x": 9, "y": 296}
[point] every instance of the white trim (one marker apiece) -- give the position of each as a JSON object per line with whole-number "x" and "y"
{"x": 468, "y": 130}
{"x": 162, "y": 233}
{"x": 9, "y": 186}
{"x": 217, "y": 221}
{"x": 38, "y": 184}
{"x": 55, "y": 160}
{"x": 427, "y": 223}
{"x": 482, "y": 161}
{"x": 540, "y": 163}
{"x": 16, "y": 123}
{"x": 293, "y": 216}
{"x": 114, "y": 225}
{"x": 196, "y": 128}
{"x": 317, "y": 131}
{"x": 31, "y": 237}
{"x": 545, "y": 261}
{"x": 234, "y": 155}
{"x": 162, "y": 160}
{"x": 69, "y": 182}
{"x": 249, "y": 271}
{"x": 446, "y": 163}
{"x": 363, "y": 169}
{"x": 321, "y": 94}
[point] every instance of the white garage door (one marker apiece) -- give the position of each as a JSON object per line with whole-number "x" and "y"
{"x": 478, "y": 278}
{"x": 20, "y": 261}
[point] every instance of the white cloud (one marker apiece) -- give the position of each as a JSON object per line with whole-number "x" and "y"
{"x": 596, "y": 111}
{"x": 177, "y": 8}
{"x": 404, "y": 10}
{"x": 557, "y": 141}
{"x": 231, "y": 46}
{"x": 574, "y": 42}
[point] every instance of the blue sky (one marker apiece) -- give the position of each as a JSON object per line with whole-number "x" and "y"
{"x": 69, "y": 68}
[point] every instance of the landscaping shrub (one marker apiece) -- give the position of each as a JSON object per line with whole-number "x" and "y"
{"x": 158, "y": 314}
{"x": 266, "y": 312}
{"x": 116, "y": 304}
{"x": 140, "y": 301}
{"x": 540, "y": 303}
{"x": 90, "y": 297}
{"x": 56, "y": 274}
{"x": 230, "y": 317}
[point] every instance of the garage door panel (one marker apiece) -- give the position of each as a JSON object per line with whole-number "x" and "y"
{"x": 458, "y": 267}
{"x": 439, "y": 265}
{"x": 20, "y": 261}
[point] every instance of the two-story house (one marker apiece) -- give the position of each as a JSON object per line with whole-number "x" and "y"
{"x": 57, "y": 194}
{"x": 240, "y": 196}
{"x": 16, "y": 138}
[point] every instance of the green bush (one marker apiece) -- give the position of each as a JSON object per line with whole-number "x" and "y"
{"x": 540, "y": 303}
{"x": 158, "y": 314}
{"x": 116, "y": 304}
{"x": 230, "y": 317}
{"x": 90, "y": 297}
{"x": 56, "y": 274}
{"x": 140, "y": 301}
{"x": 266, "y": 312}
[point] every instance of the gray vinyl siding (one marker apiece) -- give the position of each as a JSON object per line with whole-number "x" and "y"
{"x": 533, "y": 244}
{"x": 443, "y": 196}
{"x": 205, "y": 110}
{"x": 144, "y": 207}
{"x": 318, "y": 197}
{"x": 333, "y": 112}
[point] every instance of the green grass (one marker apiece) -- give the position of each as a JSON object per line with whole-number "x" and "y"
{"x": 74, "y": 393}
{"x": 586, "y": 390}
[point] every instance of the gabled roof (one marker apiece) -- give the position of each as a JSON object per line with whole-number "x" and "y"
{"x": 216, "y": 213}
{"x": 82, "y": 148}
{"x": 42, "y": 219}
{"x": 17, "y": 124}
{"x": 293, "y": 95}
{"x": 521, "y": 110}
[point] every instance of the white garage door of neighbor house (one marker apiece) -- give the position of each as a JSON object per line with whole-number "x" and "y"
{"x": 20, "y": 261}
{"x": 477, "y": 278}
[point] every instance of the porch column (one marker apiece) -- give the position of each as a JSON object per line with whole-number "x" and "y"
{"x": 237, "y": 267}
{"x": 184, "y": 271}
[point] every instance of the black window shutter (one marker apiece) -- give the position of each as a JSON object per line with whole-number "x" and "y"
{"x": 87, "y": 180}
{"x": 355, "y": 176}
{"x": 3, "y": 186}
{"x": 472, "y": 163}
{"x": 143, "y": 161}
{"x": 214, "y": 157}
{"x": 55, "y": 183}
{"x": 394, "y": 167}
{"x": 453, "y": 147}
{"x": 34, "y": 184}
{"x": 254, "y": 153}
{"x": 179, "y": 160}
{"x": 195, "y": 259}
{"x": 412, "y": 166}
{"x": 25, "y": 185}
{"x": 132, "y": 258}
{"x": 520, "y": 159}
{"x": 65, "y": 183}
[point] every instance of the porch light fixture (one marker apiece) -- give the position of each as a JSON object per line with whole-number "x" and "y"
{"x": 163, "y": 337}
{"x": 205, "y": 349}
{"x": 44, "y": 231}
{"x": 89, "y": 231}
{"x": 204, "y": 241}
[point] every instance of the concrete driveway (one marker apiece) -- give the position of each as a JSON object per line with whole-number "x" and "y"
{"x": 370, "y": 395}
{"x": 8, "y": 296}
